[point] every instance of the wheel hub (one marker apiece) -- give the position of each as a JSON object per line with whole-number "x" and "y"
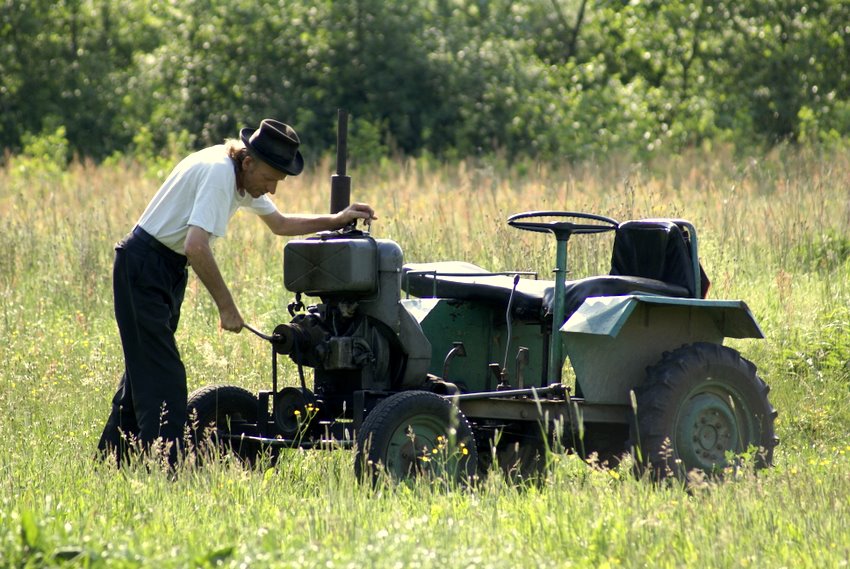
{"x": 707, "y": 430}
{"x": 411, "y": 449}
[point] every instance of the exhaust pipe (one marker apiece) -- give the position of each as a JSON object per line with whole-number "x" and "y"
{"x": 340, "y": 182}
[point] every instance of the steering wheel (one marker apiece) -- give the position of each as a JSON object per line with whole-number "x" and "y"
{"x": 562, "y": 229}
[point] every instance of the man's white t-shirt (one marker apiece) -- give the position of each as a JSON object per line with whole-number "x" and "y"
{"x": 200, "y": 191}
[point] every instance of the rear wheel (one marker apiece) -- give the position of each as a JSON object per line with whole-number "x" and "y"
{"x": 699, "y": 407}
{"x": 220, "y": 410}
{"x": 412, "y": 434}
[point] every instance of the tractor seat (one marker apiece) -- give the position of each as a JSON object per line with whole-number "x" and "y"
{"x": 458, "y": 280}
{"x": 533, "y": 299}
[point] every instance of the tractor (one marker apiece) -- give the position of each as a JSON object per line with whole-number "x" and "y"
{"x": 445, "y": 367}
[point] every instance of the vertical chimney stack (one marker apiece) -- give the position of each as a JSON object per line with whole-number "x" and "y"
{"x": 340, "y": 182}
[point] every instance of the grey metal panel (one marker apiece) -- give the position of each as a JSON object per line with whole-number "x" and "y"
{"x": 607, "y": 315}
{"x": 517, "y": 410}
{"x": 611, "y": 360}
{"x": 417, "y": 348}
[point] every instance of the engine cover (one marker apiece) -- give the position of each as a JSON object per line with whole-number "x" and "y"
{"x": 331, "y": 266}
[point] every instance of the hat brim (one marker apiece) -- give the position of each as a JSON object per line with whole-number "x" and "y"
{"x": 291, "y": 168}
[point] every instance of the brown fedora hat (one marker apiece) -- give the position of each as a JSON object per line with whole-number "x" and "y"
{"x": 276, "y": 144}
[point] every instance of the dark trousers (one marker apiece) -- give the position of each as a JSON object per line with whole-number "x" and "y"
{"x": 149, "y": 281}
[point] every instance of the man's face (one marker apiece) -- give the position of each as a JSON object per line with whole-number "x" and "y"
{"x": 259, "y": 178}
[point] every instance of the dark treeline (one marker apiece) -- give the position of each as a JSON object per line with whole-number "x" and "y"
{"x": 551, "y": 79}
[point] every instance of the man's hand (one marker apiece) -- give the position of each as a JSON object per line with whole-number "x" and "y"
{"x": 354, "y": 212}
{"x": 231, "y": 320}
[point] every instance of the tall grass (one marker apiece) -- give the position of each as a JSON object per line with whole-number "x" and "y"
{"x": 772, "y": 229}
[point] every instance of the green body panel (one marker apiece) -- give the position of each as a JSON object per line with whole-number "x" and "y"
{"x": 610, "y": 341}
{"x": 483, "y": 332}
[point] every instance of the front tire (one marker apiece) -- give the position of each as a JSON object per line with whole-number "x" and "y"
{"x": 415, "y": 434}
{"x": 702, "y": 404}
{"x": 217, "y": 412}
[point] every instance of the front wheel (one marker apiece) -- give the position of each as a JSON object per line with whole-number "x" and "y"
{"x": 415, "y": 434}
{"x": 700, "y": 406}
{"x": 218, "y": 412}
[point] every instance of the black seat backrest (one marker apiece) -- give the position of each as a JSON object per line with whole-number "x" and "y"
{"x": 655, "y": 249}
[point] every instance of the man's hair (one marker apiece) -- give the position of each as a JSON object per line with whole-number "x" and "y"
{"x": 237, "y": 151}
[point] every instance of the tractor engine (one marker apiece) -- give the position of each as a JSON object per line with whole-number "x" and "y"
{"x": 353, "y": 346}
{"x": 360, "y": 336}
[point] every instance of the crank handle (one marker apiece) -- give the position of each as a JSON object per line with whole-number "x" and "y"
{"x": 260, "y": 334}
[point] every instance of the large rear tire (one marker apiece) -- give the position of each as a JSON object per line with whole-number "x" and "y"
{"x": 416, "y": 434}
{"x": 702, "y": 405}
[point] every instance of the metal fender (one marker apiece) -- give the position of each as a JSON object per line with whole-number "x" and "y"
{"x": 611, "y": 340}
{"x": 606, "y": 315}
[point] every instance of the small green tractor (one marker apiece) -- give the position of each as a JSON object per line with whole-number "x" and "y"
{"x": 446, "y": 367}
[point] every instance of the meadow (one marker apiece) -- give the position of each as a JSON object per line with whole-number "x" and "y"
{"x": 773, "y": 231}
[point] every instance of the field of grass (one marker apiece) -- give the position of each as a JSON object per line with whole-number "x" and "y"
{"x": 773, "y": 231}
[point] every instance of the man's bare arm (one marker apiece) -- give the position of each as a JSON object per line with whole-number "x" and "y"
{"x": 200, "y": 256}
{"x": 303, "y": 224}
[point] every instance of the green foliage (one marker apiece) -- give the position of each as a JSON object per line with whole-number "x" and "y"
{"x": 365, "y": 144}
{"x": 550, "y": 79}
{"x": 158, "y": 160}
{"x": 67, "y": 63}
{"x": 44, "y": 155}
{"x": 49, "y": 149}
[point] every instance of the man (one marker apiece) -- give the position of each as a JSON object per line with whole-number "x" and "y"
{"x": 191, "y": 208}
